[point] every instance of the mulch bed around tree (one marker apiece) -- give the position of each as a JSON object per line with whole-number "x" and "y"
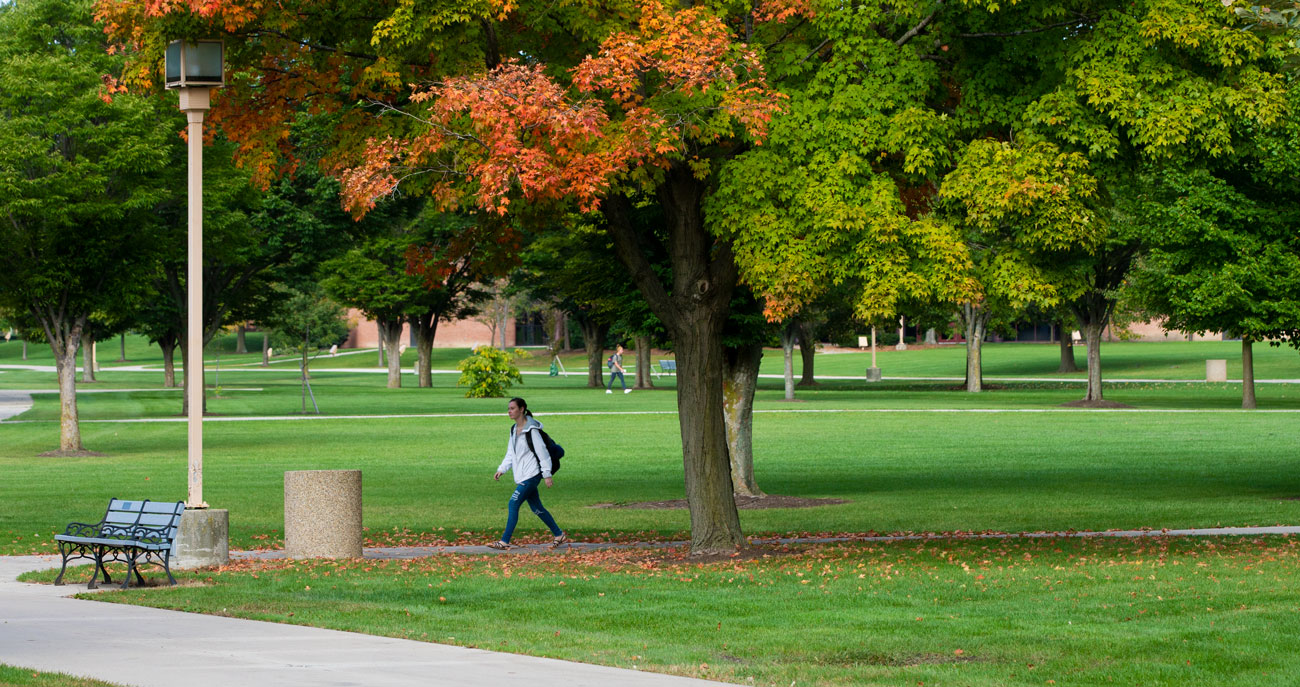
{"x": 742, "y": 502}
{"x": 1095, "y": 404}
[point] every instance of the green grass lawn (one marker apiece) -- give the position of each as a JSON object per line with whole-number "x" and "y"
{"x": 908, "y": 456}
{"x": 902, "y": 467}
{"x": 1120, "y": 360}
{"x": 11, "y": 676}
{"x": 1216, "y": 611}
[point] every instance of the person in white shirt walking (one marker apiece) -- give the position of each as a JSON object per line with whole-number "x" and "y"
{"x": 530, "y": 465}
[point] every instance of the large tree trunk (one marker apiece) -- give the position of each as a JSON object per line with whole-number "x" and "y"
{"x": 240, "y": 344}
{"x": 715, "y": 523}
{"x": 643, "y": 379}
{"x": 390, "y": 338}
{"x": 87, "y": 359}
{"x": 69, "y": 423}
{"x": 168, "y": 347}
{"x": 1247, "y": 374}
{"x": 695, "y": 308}
{"x": 1093, "y": 330}
{"x": 593, "y": 335}
{"x": 64, "y": 345}
{"x": 426, "y": 327}
{"x": 807, "y": 351}
{"x": 787, "y": 351}
{"x": 739, "y": 385}
{"x": 557, "y": 342}
{"x": 976, "y": 321}
{"x": 1067, "y": 351}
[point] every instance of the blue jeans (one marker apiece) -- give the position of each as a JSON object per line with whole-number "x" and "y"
{"x": 528, "y": 492}
{"x": 612, "y": 375}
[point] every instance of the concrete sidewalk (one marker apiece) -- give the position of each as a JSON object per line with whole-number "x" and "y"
{"x": 43, "y": 630}
{"x": 14, "y": 403}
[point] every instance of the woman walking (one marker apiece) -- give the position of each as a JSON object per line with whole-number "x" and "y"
{"x": 530, "y": 463}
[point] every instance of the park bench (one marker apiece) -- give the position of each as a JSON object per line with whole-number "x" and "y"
{"x": 132, "y": 532}
{"x": 667, "y": 367}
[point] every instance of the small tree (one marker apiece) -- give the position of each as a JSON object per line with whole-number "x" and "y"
{"x": 496, "y": 308}
{"x": 303, "y": 321}
{"x": 489, "y": 372}
{"x": 1023, "y": 208}
{"x": 373, "y": 279}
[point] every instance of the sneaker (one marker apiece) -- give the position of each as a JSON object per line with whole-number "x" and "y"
{"x": 609, "y": 391}
{"x": 627, "y": 391}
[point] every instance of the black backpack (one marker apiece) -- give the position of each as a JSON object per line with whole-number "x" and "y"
{"x": 556, "y": 450}
{"x": 610, "y": 362}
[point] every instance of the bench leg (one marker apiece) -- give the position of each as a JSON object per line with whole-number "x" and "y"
{"x": 99, "y": 567}
{"x": 130, "y": 568}
{"x": 167, "y": 567}
{"x": 66, "y": 550}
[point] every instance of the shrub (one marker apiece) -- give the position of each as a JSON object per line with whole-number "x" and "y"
{"x": 489, "y": 372}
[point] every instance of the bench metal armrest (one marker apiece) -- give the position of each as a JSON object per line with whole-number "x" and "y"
{"x": 117, "y": 532}
{"x": 81, "y": 529}
{"x": 150, "y": 535}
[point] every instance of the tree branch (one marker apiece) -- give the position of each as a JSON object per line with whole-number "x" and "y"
{"x": 260, "y": 32}
{"x": 617, "y": 210}
{"x": 814, "y": 51}
{"x": 912, "y": 32}
{"x": 1080, "y": 19}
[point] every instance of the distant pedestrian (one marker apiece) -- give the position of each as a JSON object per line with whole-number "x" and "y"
{"x": 530, "y": 463}
{"x": 615, "y": 364}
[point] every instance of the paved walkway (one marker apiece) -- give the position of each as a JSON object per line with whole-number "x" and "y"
{"x": 14, "y": 403}
{"x": 42, "y": 629}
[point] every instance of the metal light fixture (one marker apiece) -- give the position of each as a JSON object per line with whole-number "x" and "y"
{"x": 195, "y": 63}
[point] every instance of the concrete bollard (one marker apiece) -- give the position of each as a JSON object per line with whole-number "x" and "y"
{"x": 873, "y": 374}
{"x": 1216, "y": 370}
{"x": 322, "y": 514}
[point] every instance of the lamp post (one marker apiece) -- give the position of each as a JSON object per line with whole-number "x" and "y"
{"x": 195, "y": 68}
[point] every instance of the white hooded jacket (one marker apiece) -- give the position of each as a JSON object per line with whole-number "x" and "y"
{"x": 519, "y": 460}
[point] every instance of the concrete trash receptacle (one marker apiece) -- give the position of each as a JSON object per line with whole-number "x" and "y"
{"x": 322, "y": 514}
{"x": 873, "y": 374}
{"x": 1216, "y": 370}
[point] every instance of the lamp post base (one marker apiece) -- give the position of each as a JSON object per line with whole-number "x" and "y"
{"x": 203, "y": 539}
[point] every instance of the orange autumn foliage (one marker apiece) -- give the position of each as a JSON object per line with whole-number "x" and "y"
{"x": 650, "y": 94}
